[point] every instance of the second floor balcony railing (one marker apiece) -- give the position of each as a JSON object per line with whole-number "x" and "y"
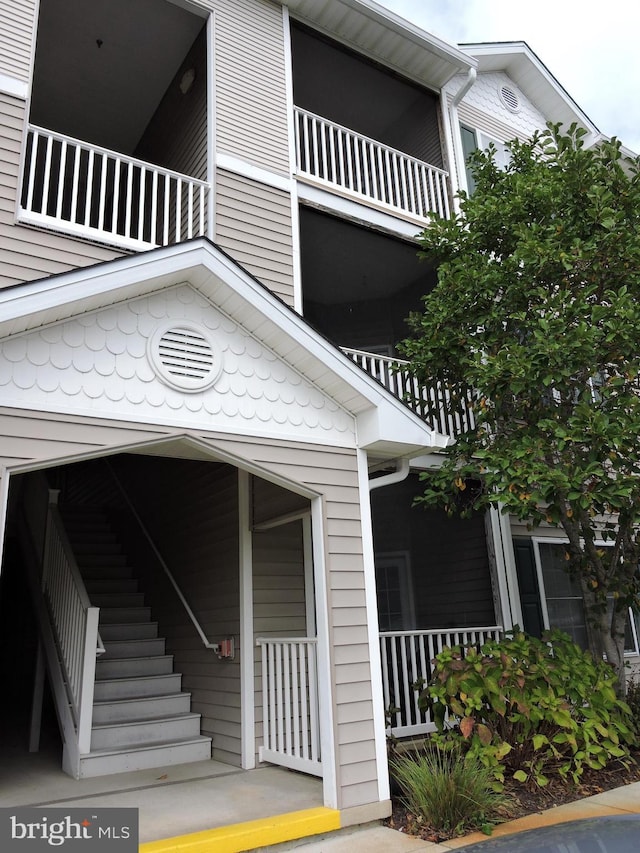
{"x": 430, "y": 402}
{"x": 85, "y": 190}
{"x": 336, "y": 157}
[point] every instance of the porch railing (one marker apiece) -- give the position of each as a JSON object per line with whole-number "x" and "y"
{"x": 68, "y": 622}
{"x": 407, "y": 664}
{"x": 338, "y": 157}
{"x": 96, "y": 193}
{"x": 433, "y": 403}
{"x": 290, "y": 715}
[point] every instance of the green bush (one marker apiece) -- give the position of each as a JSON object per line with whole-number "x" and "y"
{"x": 530, "y": 708}
{"x": 633, "y": 701}
{"x": 446, "y": 790}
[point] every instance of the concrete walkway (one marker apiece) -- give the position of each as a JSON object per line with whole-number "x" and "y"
{"x": 381, "y": 839}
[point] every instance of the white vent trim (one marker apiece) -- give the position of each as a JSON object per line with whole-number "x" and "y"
{"x": 509, "y": 98}
{"x": 184, "y": 356}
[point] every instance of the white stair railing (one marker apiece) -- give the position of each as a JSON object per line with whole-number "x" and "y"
{"x": 407, "y": 665}
{"x": 433, "y": 403}
{"x": 92, "y": 192}
{"x": 68, "y": 622}
{"x": 290, "y": 720}
{"x": 339, "y": 157}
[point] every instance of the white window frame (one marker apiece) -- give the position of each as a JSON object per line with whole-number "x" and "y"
{"x": 401, "y": 559}
{"x": 554, "y": 540}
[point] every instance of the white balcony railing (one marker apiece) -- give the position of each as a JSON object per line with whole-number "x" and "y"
{"x": 91, "y": 192}
{"x": 335, "y": 156}
{"x": 433, "y": 403}
{"x": 407, "y": 665}
{"x": 290, "y": 716}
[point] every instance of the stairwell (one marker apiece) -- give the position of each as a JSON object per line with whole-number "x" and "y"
{"x": 141, "y": 716}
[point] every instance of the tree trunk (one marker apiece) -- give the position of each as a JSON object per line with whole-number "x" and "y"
{"x": 606, "y": 634}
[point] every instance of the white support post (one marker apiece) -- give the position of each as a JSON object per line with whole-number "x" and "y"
{"x": 88, "y": 680}
{"x": 247, "y": 675}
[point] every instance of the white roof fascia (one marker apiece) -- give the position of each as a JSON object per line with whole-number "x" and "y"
{"x": 384, "y": 422}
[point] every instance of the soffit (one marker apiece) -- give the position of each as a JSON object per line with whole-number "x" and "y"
{"x": 385, "y": 37}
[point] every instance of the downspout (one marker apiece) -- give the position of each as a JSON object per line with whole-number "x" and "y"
{"x": 401, "y": 473}
{"x": 452, "y": 132}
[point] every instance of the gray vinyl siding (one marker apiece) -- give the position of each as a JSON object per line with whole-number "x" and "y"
{"x": 176, "y": 136}
{"x": 250, "y": 95}
{"x": 29, "y": 253}
{"x": 253, "y": 224}
{"x": 17, "y": 27}
{"x": 331, "y": 473}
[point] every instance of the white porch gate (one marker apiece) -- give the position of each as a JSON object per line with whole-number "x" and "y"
{"x": 290, "y": 714}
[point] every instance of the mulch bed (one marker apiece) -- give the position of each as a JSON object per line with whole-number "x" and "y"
{"x": 524, "y": 799}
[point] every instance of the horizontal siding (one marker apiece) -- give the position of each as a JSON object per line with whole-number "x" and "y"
{"x": 253, "y": 224}
{"x": 250, "y": 95}
{"x": 29, "y": 253}
{"x": 17, "y": 28}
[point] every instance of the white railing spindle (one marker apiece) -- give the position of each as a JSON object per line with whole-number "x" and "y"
{"x": 407, "y": 665}
{"x": 368, "y": 168}
{"x": 291, "y": 731}
{"x": 106, "y": 195}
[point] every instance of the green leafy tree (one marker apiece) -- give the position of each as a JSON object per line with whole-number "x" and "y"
{"x": 537, "y": 309}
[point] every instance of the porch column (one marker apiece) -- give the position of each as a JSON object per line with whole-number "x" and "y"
{"x": 247, "y": 680}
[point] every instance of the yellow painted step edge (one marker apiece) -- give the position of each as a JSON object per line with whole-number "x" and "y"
{"x": 247, "y": 836}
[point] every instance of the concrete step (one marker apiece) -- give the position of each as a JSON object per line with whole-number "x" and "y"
{"x": 133, "y": 667}
{"x": 129, "y": 631}
{"x": 106, "y": 572}
{"x": 98, "y": 559}
{"x": 110, "y": 585}
{"x": 109, "y": 615}
{"x": 145, "y": 647}
{"x": 91, "y": 548}
{"x": 112, "y": 689}
{"x": 144, "y": 707}
{"x": 118, "y": 599}
{"x": 107, "y": 761}
{"x": 137, "y": 732}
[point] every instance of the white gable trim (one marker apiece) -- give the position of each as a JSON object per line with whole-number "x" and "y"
{"x": 384, "y": 423}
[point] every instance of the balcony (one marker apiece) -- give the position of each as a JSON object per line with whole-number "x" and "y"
{"x": 432, "y": 403}
{"x": 88, "y": 191}
{"x": 341, "y": 160}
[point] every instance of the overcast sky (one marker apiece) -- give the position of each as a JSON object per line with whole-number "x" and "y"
{"x": 591, "y": 48}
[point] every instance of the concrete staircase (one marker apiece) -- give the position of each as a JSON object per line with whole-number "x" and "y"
{"x": 141, "y": 716}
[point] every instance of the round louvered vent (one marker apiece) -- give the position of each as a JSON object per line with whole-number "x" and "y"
{"x": 509, "y": 98}
{"x": 184, "y": 356}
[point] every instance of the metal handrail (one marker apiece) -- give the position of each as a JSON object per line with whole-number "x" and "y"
{"x": 205, "y": 641}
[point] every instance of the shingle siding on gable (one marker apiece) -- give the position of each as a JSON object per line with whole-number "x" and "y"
{"x": 482, "y": 108}
{"x": 16, "y": 32}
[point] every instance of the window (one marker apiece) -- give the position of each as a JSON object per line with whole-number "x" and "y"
{"x": 561, "y": 597}
{"x": 474, "y": 139}
{"x": 393, "y": 582}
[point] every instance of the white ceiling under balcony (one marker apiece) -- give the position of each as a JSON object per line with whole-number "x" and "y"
{"x": 102, "y": 66}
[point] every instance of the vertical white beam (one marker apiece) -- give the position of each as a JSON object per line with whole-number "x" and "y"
{"x": 211, "y": 126}
{"x": 379, "y": 724}
{"x": 309, "y": 590}
{"x": 247, "y": 679}
{"x": 4, "y": 504}
{"x": 325, "y": 691}
{"x": 295, "y": 209}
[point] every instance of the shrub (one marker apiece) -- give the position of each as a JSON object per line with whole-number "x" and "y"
{"x": 446, "y": 790}
{"x": 530, "y": 708}
{"x": 633, "y": 701}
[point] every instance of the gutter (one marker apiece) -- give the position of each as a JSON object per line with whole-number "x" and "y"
{"x": 401, "y": 473}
